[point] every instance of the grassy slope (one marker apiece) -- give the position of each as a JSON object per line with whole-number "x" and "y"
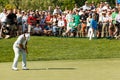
{"x": 52, "y": 48}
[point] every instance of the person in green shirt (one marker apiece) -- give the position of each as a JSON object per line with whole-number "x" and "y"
{"x": 73, "y": 27}
{"x": 77, "y": 22}
{"x": 114, "y": 14}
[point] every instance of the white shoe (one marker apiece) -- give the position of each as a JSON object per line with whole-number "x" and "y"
{"x": 24, "y": 68}
{"x": 15, "y": 69}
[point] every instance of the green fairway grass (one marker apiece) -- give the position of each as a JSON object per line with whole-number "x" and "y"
{"x": 56, "y": 48}
{"x": 92, "y": 69}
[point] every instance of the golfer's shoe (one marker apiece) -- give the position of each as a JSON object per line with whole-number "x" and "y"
{"x": 24, "y": 68}
{"x": 15, "y": 69}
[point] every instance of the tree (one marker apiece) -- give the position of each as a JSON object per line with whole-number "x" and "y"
{"x": 111, "y": 2}
{"x": 44, "y": 4}
{"x": 3, "y": 3}
{"x": 80, "y": 2}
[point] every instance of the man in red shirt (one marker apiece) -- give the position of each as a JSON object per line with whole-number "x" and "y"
{"x": 31, "y": 22}
{"x": 48, "y": 18}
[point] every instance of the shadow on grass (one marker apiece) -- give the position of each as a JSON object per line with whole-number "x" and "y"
{"x": 39, "y": 69}
{"x": 54, "y": 69}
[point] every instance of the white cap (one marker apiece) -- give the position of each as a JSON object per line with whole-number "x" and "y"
{"x": 27, "y": 35}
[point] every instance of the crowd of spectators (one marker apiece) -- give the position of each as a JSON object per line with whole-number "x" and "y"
{"x": 89, "y": 20}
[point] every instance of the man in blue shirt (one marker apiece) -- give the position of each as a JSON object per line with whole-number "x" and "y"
{"x": 93, "y": 27}
{"x": 118, "y": 1}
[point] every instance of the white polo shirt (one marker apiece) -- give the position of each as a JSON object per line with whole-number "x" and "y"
{"x": 61, "y": 23}
{"x": 22, "y": 39}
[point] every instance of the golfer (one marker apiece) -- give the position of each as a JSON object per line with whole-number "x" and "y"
{"x": 20, "y": 46}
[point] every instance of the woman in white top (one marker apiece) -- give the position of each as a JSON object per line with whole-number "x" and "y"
{"x": 88, "y": 23}
{"x": 61, "y": 24}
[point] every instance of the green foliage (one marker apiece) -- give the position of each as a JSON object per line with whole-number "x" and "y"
{"x": 10, "y": 6}
{"x": 44, "y": 4}
{"x": 80, "y": 2}
{"x": 111, "y": 2}
{"x": 3, "y": 3}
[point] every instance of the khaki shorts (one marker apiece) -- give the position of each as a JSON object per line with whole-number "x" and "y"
{"x": 83, "y": 25}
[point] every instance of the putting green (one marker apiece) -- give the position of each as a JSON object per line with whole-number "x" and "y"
{"x": 64, "y": 70}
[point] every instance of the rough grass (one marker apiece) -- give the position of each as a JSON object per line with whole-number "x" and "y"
{"x": 55, "y": 48}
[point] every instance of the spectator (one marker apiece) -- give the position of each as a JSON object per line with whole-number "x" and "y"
{"x": 83, "y": 19}
{"x": 69, "y": 17}
{"x": 75, "y": 8}
{"x": 93, "y": 28}
{"x": 54, "y": 19}
{"x": 57, "y": 10}
{"x": 55, "y": 29}
{"x": 37, "y": 16}
{"x": 92, "y": 6}
{"x": 48, "y": 18}
{"x": 117, "y": 18}
{"x": 86, "y": 6}
{"x": 111, "y": 28}
{"x": 24, "y": 21}
{"x": 31, "y": 22}
{"x": 81, "y": 11}
{"x": 3, "y": 17}
{"x": 37, "y": 30}
{"x": 42, "y": 21}
{"x": 104, "y": 20}
{"x": 47, "y": 30}
{"x": 114, "y": 14}
{"x": 61, "y": 25}
{"x": 19, "y": 22}
{"x": 77, "y": 22}
{"x": 11, "y": 23}
{"x": 88, "y": 23}
{"x": 73, "y": 27}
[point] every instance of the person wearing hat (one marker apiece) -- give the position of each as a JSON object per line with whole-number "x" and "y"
{"x": 105, "y": 21}
{"x": 20, "y": 46}
{"x": 86, "y": 6}
{"x": 57, "y": 10}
